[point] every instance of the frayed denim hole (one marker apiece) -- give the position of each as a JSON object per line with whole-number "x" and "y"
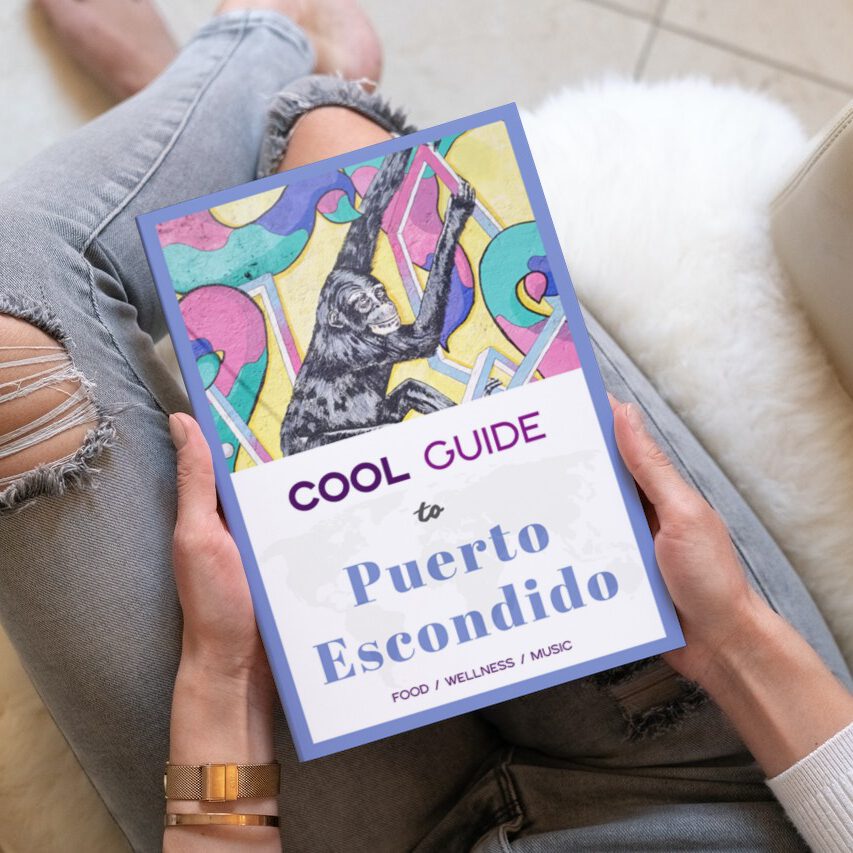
{"x": 32, "y": 368}
{"x": 651, "y": 696}
{"x": 312, "y": 92}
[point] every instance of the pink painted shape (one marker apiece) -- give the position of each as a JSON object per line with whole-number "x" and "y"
{"x": 199, "y": 230}
{"x": 329, "y": 202}
{"x": 231, "y": 322}
{"x": 560, "y": 357}
{"x": 423, "y": 224}
{"x": 362, "y": 177}
{"x": 535, "y": 285}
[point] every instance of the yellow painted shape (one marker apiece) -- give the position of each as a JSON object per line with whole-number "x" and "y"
{"x": 235, "y": 214}
{"x": 542, "y": 308}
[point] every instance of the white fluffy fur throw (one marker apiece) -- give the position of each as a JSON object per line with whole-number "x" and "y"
{"x": 660, "y": 195}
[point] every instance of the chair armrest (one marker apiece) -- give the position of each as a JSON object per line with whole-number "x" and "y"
{"x": 812, "y": 227}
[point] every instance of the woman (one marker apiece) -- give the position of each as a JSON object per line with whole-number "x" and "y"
{"x": 636, "y": 758}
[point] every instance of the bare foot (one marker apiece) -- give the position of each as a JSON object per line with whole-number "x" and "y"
{"x": 125, "y": 44}
{"x": 340, "y": 32}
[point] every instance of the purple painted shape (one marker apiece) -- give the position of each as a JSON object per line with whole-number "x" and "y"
{"x": 459, "y": 302}
{"x": 199, "y": 230}
{"x": 232, "y": 324}
{"x": 539, "y": 263}
{"x": 296, "y": 209}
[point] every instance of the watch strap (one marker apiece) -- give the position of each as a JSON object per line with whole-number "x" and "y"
{"x": 217, "y": 783}
{"x": 220, "y": 819}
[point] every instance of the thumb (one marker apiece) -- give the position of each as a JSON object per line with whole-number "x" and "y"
{"x": 648, "y": 464}
{"x": 196, "y": 484}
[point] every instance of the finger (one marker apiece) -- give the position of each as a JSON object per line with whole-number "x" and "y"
{"x": 649, "y": 465}
{"x": 196, "y": 484}
{"x": 651, "y": 515}
{"x": 614, "y": 402}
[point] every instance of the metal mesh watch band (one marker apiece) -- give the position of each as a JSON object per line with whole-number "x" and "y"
{"x": 220, "y": 819}
{"x": 216, "y": 783}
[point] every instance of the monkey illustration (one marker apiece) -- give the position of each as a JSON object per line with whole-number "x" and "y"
{"x": 342, "y": 388}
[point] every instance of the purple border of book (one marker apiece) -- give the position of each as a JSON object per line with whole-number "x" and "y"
{"x": 307, "y": 748}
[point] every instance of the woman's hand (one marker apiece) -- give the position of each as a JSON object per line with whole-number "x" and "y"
{"x": 223, "y": 699}
{"x": 219, "y": 622}
{"x": 777, "y": 692}
{"x": 716, "y": 605}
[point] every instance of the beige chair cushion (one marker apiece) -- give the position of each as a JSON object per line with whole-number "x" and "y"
{"x": 812, "y": 226}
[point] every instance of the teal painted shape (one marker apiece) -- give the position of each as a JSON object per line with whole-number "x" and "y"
{"x": 504, "y": 263}
{"x": 344, "y": 212}
{"x": 350, "y": 170}
{"x": 244, "y": 398}
{"x": 247, "y": 387}
{"x": 250, "y": 252}
{"x": 442, "y": 147}
{"x": 226, "y": 437}
{"x": 446, "y": 141}
{"x": 208, "y": 367}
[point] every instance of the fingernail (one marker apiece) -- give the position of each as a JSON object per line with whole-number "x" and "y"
{"x": 178, "y": 432}
{"x": 635, "y": 419}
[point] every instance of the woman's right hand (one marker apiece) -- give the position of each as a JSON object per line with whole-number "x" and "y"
{"x": 705, "y": 579}
{"x": 775, "y": 689}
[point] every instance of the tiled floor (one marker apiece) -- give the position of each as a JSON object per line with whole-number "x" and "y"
{"x": 450, "y": 63}
{"x": 445, "y": 58}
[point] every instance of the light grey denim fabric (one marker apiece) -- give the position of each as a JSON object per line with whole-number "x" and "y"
{"x": 633, "y": 759}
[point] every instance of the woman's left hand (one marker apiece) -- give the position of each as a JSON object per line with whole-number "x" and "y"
{"x": 219, "y": 621}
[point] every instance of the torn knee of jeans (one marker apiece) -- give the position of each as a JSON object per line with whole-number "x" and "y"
{"x": 51, "y": 428}
{"x": 321, "y": 90}
{"x": 652, "y": 697}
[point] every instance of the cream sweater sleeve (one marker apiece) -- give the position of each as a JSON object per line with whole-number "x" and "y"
{"x": 817, "y": 794}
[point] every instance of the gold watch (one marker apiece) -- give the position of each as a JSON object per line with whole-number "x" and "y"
{"x": 219, "y": 783}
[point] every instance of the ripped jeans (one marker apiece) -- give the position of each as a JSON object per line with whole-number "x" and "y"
{"x": 631, "y": 759}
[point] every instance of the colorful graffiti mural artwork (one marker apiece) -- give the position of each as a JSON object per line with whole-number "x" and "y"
{"x": 248, "y": 275}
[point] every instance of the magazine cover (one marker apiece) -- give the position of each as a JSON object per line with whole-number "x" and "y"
{"x": 412, "y": 442}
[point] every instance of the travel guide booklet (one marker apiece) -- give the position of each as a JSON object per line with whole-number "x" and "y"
{"x": 412, "y": 442}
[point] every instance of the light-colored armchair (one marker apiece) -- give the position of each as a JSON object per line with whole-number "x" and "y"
{"x": 812, "y": 226}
